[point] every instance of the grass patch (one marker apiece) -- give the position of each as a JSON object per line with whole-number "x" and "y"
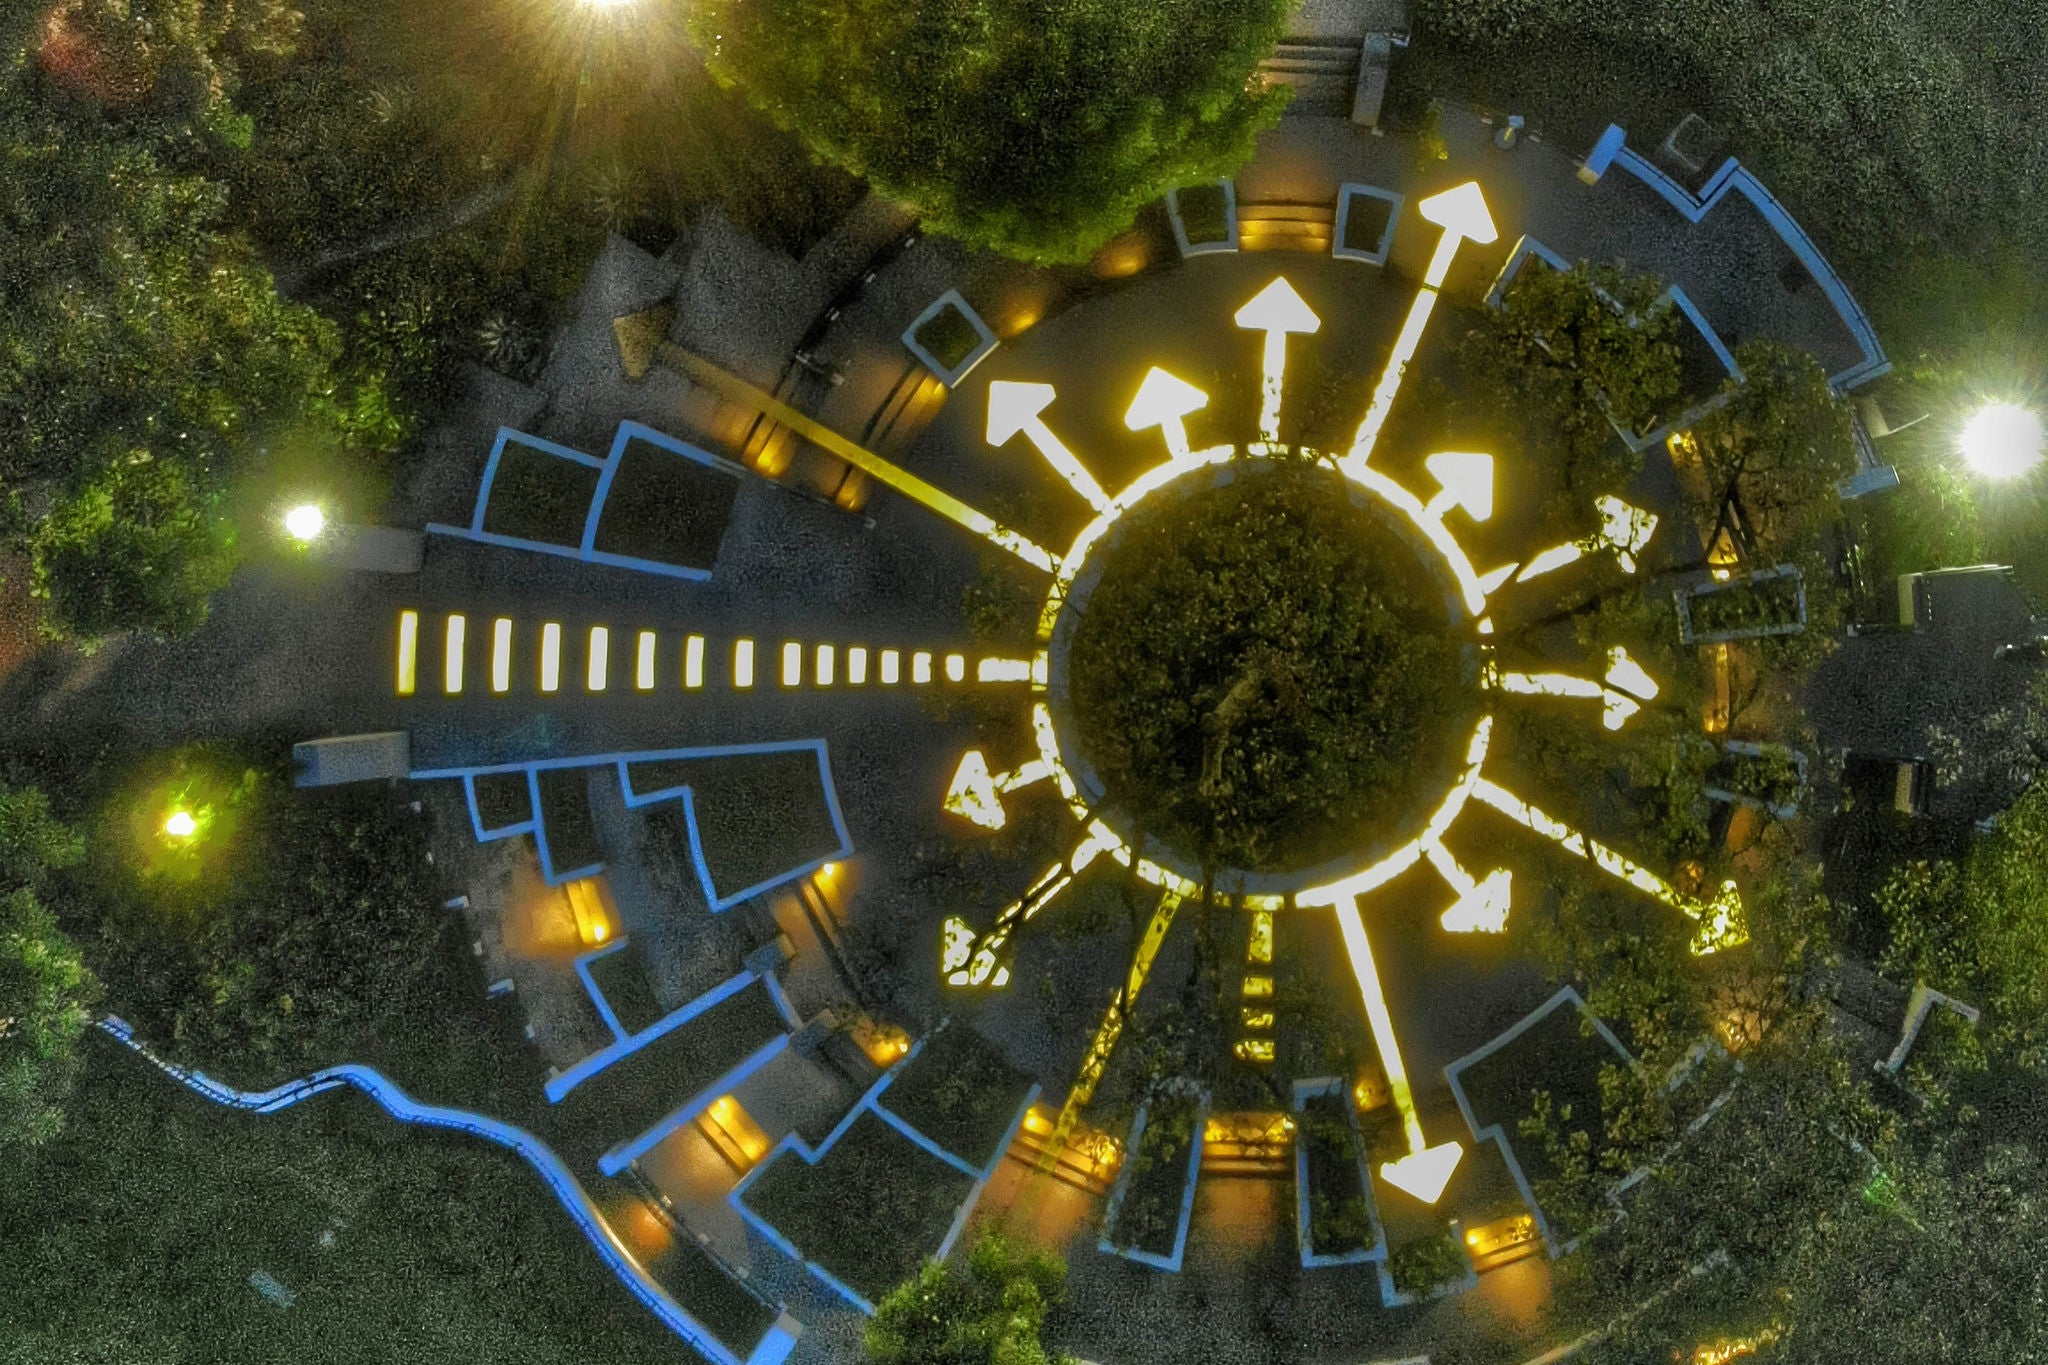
{"x": 1552, "y": 1055}
{"x": 622, "y": 980}
{"x": 759, "y": 816}
{"x": 502, "y": 799}
{"x": 949, "y": 337}
{"x": 630, "y": 1096}
{"x": 565, "y": 815}
{"x": 960, "y": 1093}
{"x": 1339, "y": 1219}
{"x": 539, "y": 496}
{"x": 1366, "y": 222}
{"x": 1149, "y": 1217}
{"x": 1422, "y": 1267}
{"x": 713, "y": 1297}
{"x": 666, "y": 507}
{"x": 870, "y": 1212}
{"x": 1204, "y": 213}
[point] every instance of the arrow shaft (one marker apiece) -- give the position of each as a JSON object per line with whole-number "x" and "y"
{"x": 1352, "y": 926}
{"x": 1176, "y": 433}
{"x": 1276, "y": 374}
{"x": 1449, "y": 869}
{"x": 1405, "y": 346}
{"x": 1592, "y": 850}
{"x": 1065, "y": 464}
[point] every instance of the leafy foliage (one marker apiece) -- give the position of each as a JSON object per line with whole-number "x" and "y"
{"x": 1777, "y": 445}
{"x": 990, "y": 1314}
{"x": 46, "y": 992}
{"x": 1036, "y": 130}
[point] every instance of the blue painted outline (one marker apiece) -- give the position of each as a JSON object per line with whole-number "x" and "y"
{"x": 1734, "y": 178}
{"x": 1496, "y": 1133}
{"x": 568, "y": 1191}
{"x": 627, "y": 1152}
{"x": 950, "y": 377}
{"x": 584, "y": 551}
{"x": 559, "y": 1086}
{"x": 1170, "y": 1264}
{"x": 476, "y": 817}
{"x": 870, "y": 1102}
{"x": 1234, "y": 242}
{"x": 604, "y": 1006}
{"x": 635, "y": 800}
{"x": 1353, "y": 190}
{"x": 1305, "y": 1090}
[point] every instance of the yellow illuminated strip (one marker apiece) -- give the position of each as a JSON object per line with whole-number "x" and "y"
{"x": 1261, "y": 947}
{"x": 921, "y": 667}
{"x": 856, "y": 667}
{"x": 743, "y": 663}
{"x": 1390, "y": 379}
{"x": 869, "y": 463}
{"x": 693, "y": 661}
{"x": 598, "y": 673}
{"x": 891, "y": 667}
{"x": 1003, "y": 670}
{"x": 1258, "y": 1019}
{"x": 1376, "y": 1014}
{"x": 643, "y": 666}
{"x": 984, "y": 967}
{"x": 792, "y": 664}
{"x": 822, "y": 668}
{"x": 1258, "y": 987}
{"x": 501, "y": 654}
{"x": 550, "y": 656}
{"x": 408, "y": 652}
{"x": 956, "y": 668}
{"x": 451, "y": 658}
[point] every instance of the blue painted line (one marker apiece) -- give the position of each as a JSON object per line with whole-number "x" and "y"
{"x": 616, "y": 561}
{"x": 568, "y": 1192}
{"x": 1683, "y": 302}
{"x": 476, "y": 818}
{"x": 920, "y": 1140}
{"x": 973, "y": 1199}
{"x": 597, "y": 997}
{"x": 559, "y": 1086}
{"x": 626, "y": 1153}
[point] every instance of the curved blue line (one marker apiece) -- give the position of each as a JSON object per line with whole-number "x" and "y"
{"x": 403, "y": 1107}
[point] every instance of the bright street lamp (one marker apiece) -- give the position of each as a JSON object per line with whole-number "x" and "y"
{"x": 304, "y": 523}
{"x": 181, "y": 825}
{"x": 2004, "y": 441}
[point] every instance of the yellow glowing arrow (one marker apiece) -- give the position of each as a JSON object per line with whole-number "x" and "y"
{"x": 1426, "y": 1169}
{"x": 1465, "y": 480}
{"x": 1482, "y": 906}
{"x": 1626, "y": 687}
{"x": 985, "y": 964}
{"x": 1019, "y": 407}
{"x": 1276, "y": 311}
{"x": 976, "y": 793}
{"x": 1463, "y": 216}
{"x": 1623, "y": 529}
{"x": 1164, "y": 402}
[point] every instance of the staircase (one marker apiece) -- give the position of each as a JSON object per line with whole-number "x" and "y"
{"x": 1087, "y": 1159}
{"x": 1260, "y": 1145}
{"x": 1286, "y": 226}
{"x": 1323, "y": 72}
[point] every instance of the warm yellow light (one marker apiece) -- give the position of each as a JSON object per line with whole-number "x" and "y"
{"x": 501, "y": 654}
{"x": 822, "y": 668}
{"x": 856, "y": 667}
{"x": 892, "y": 666}
{"x": 743, "y": 663}
{"x": 451, "y": 659}
{"x": 181, "y": 824}
{"x": 920, "y": 667}
{"x": 693, "y": 662}
{"x": 973, "y": 793}
{"x": 1164, "y": 402}
{"x": 643, "y": 664}
{"x": 551, "y": 656}
{"x": 1277, "y": 311}
{"x": 597, "y": 672}
{"x": 956, "y": 668}
{"x": 408, "y": 652}
{"x": 1014, "y": 408}
{"x": 1258, "y": 987}
{"x": 304, "y": 523}
{"x": 2004, "y": 441}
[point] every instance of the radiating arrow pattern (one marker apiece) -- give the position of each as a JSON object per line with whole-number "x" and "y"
{"x": 1482, "y": 906}
{"x": 1165, "y": 402}
{"x": 1463, "y": 481}
{"x": 1277, "y": 311}
{"x": 984, "y": 961}
{"x": 1014, "y": 408}
{"x": 1623, "y": 529}
{"x": 1621, "y": 695}
{"x": 977, "y": 794}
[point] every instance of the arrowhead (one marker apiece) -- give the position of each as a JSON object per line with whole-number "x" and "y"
{"x": 1462, "y": 211}
{"x": 1468, "y": 479}
{"x": 1161, "y": 399}
{"x": 1013, "y": 406}
{"x": 1425, "y": 1173}
{"x": 1722, "y": 923}
{"x": 1484, "y": 909}
{"x": 958, "y": 948}
{"x": 973, "y": 793}
{"x": 1278, "y": 309}
{"x": 1628, "y": 675}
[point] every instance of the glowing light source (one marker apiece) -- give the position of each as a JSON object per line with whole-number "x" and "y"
{"x": 304, "y": 523}
{"x": 792, "y": 664}
{"x": 822, "y": 670}
{"x": 693, "y": 662}
{"x": 501, "y": 654}
{"x": 643, "y": 662}
{"x": 597, "y": 672}
{"x": 973, "y": 793}
{"x": 1003, "y": 670}
{"x": 1623, "y": 529}
{"x": 856, "y": 667}
{"x": 451, "y": 655}
{"x": 551, "y": 656}
{"x": 1014, "y": 408}
{"x": 180, "y": 825}
{"x": 408, "y": 652}
{"x": 743, "y": 663}
{"x": 2004, "y": 441}
{"x": 956, "y": 668}
{"x": 1277, "y": 311}
{"x": 1466, "y": 481}
{"x": 921, "y": 667}
{"x": 1425, "y": 1173}
{"x": 1165, "y": 402}
{"x": 892, "y": 667}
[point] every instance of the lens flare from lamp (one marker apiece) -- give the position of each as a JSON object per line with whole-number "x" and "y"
{"x": 180, "y": 825}
{"x": 2004, "y": 441}
{"x": 304, "y": 523}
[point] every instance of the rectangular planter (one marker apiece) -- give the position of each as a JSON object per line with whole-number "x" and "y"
{"x": 1157, "y": 1261}
{"x": 1355, "y": 201}
{"x": 1376, "y": 1249}
{"x": 949, "y": 311}
{"x": 1704, "y": 633}
{"x": 1228, "y": 242}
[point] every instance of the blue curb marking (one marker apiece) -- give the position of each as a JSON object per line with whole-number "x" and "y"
{"x": 1304, "y": 1090}
{"x": 1187, "y": 1205}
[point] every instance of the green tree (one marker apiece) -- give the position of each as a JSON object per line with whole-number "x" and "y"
{"x": 989, "y": 1314}
{"x": 46, "y": 993}
{"x": 140, "y": 547}
{"x": 1036, "y": 130}
{"x": 1777, "y": 445}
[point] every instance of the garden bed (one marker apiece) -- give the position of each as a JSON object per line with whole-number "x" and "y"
{"x": 759, "y": 816}
{"x": 1421, "y": 1267}
{"x": 710, "y": 1295}
{"x": 503, "y": 800}
{"x": 1365, "y": 223}
{"x": 1148, "y": 1218}
{"x": 666, "y": 507}
{"x": 1340, "y": 1220}
{"x": 622, "y": 981}
{"x": 633, "y": 1094}
{"x": 1204, "y": 213}
{"x": 949, "y": 336}
{"x": 565, "y": 816}
{"x": 1766, "y": 603}
{"x": 538, "y": 496}
{"x": 961, "y": 1093}
{"x": 870, "y": 1212}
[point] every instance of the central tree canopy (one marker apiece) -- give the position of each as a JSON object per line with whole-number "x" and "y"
{"x": 1035, "y": 129}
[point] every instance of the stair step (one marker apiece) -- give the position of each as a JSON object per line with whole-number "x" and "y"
{"x": 1332, "y": 66}
{"x": 1280, "y": 212}
{"x": 1348, "y": 51}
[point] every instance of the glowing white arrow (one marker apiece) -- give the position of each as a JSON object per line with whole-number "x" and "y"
{"x": 1426, "y": 1169}
{"x": 1016, "y": 407}
{"x": 976, "y": 793}
{"x": 1165, "y": 402}
{"x": 984, "y": 963}
{"x": 1463, "y": 216}
{"x": 1482, "y": 906}
{"x": 1623, "y": 529}
{"x": 1466, "y": 481}
{"x": 1626, "y": 686}
{"x": 1277, "y": 311}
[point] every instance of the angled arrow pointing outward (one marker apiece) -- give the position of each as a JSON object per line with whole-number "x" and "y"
{"x": 1463, "y": 216}
{"x": 1482, "y": 906}
{"x": 1014, "y": 407}
{"x": 977, "y": 794}
{"x": 1623, "y": 529}
{"x": 1621, "y": 693}
{"x": 1466, "y": 481}
{"x": 1276, "y": 311}
{"x": 1165, "y": 402}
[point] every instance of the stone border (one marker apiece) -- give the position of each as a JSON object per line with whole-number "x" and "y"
{"x": 1348, "y": 192}
{"x": 950, "y": 377}
{"x": 1684, "y": 596}
{"x": 1180, "y": 232}
{"x": 1310, "y": 1259}
{"x": 1745, "y": 749}
{"x": 1170, "y": 1264}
